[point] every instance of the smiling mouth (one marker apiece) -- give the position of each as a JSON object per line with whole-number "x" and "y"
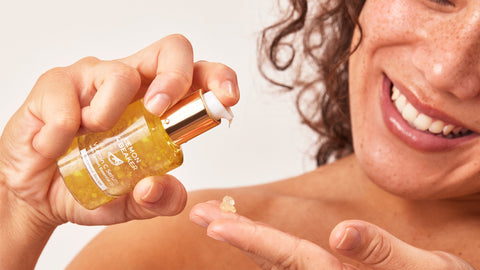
{"x": 423, "y": 122}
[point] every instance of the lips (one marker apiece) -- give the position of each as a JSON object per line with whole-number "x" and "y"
{"x": 423, "y": 122}
{"x": 416, "y": 125}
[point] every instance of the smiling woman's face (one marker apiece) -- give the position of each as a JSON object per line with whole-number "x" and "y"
{"x": 426, "y": 54}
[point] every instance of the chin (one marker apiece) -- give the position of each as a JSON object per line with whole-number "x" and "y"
{"x": 402, "y": 159}
{"x": 382, "y": 167}
{"x": 413, "y": 175}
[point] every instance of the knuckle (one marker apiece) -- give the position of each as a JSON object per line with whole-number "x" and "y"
{"x": 202, "y": 62}
{"x": 125, "y": 74}
{"x": 222, "y": 68}
{"x": 175, "y": 200}
{"x": 66, "y": 123}
{"x": 216, "y": 67}
{"x": 99, "y": 123}
{"x": 289, "y": 260}
{"x": 179, "y": 78}
{"x": 265, "y": 265}
{"x": 304, "y": 255}
{"x": 378, "y": 252}
{"x": 174, "y": 207}
{"x": 88, "y": 61}
{"x": 453, "y": 262}
{"x": 57, "y": 73}
{"x": 178, "y": 207}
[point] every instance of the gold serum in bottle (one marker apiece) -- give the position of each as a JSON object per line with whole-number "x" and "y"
{"x": 98, "y": 167}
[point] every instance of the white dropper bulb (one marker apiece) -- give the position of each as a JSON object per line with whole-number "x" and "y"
{"x": 216, "y": 108}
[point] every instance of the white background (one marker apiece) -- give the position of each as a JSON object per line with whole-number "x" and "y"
{"x": 265, "y": 141}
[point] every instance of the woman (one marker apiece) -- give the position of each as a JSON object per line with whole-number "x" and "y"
{"x": 407, "y": 198}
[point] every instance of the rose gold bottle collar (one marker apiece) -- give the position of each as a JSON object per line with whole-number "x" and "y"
{"x": 188, "y": 118}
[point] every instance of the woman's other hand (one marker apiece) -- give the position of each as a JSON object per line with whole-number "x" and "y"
{"x": 90, "y": 96}
{"x": 366, "y": 244}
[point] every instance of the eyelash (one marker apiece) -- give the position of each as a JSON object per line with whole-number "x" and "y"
{"x": 443, "y": 2}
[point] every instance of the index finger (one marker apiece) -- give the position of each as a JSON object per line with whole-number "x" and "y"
{"x": 273, "y": 247}
{"x": 167, "y": 67}
{"x": 267, "y": 245}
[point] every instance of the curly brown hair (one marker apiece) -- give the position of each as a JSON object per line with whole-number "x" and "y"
{"x": 323, "y": 35}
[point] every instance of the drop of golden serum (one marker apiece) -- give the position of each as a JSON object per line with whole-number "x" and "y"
{"x": 228, "y": 204}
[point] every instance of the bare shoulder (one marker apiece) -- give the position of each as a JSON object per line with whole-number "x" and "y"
{"x": 167, "y": 242}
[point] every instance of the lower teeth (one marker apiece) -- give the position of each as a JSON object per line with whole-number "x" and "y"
{"x": 454, "y": 136}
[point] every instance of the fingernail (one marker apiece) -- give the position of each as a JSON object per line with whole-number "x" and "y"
{"x": 199, "y": 220}
{"x": 229, "y": 88}
{"x": 158, "y": 104}
{"x": 350, "y": 239}
{"x": 150, "y": 194}
{"x": 197, "y": 216}
{"x": 215, "y": 235}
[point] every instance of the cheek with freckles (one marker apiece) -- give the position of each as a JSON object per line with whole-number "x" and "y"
{"x": 372, "y": 142}
{"x": 391, "y": 32}
{"x": 384, "y": 160}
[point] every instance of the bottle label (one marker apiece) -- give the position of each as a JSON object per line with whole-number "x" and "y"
{"x": 118, "y": 158}
{"x": 111, "y": 162}
{"x": 91, "y": 170}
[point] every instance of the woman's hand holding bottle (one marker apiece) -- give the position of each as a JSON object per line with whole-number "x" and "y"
{"x": 90, "y": 96}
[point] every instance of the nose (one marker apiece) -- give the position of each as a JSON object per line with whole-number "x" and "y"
{"x": 448, "y": 53}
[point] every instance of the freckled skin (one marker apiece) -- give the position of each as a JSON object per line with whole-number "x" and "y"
{"x": 433, "y": 51}
{"x": 411, "y": 41}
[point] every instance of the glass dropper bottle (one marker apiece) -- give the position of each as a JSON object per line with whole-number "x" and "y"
{"x": 99, "y": 167}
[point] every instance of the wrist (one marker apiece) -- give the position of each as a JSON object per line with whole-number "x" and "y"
{"x": 22, "y": 239}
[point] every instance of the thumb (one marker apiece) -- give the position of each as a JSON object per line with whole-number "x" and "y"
{"x": 159, "y": 195}
{"x": 152, "y": 196}
{"x": 378, "y": 249}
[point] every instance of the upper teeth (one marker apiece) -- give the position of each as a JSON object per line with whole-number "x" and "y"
{"x": 421, "y": 121}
